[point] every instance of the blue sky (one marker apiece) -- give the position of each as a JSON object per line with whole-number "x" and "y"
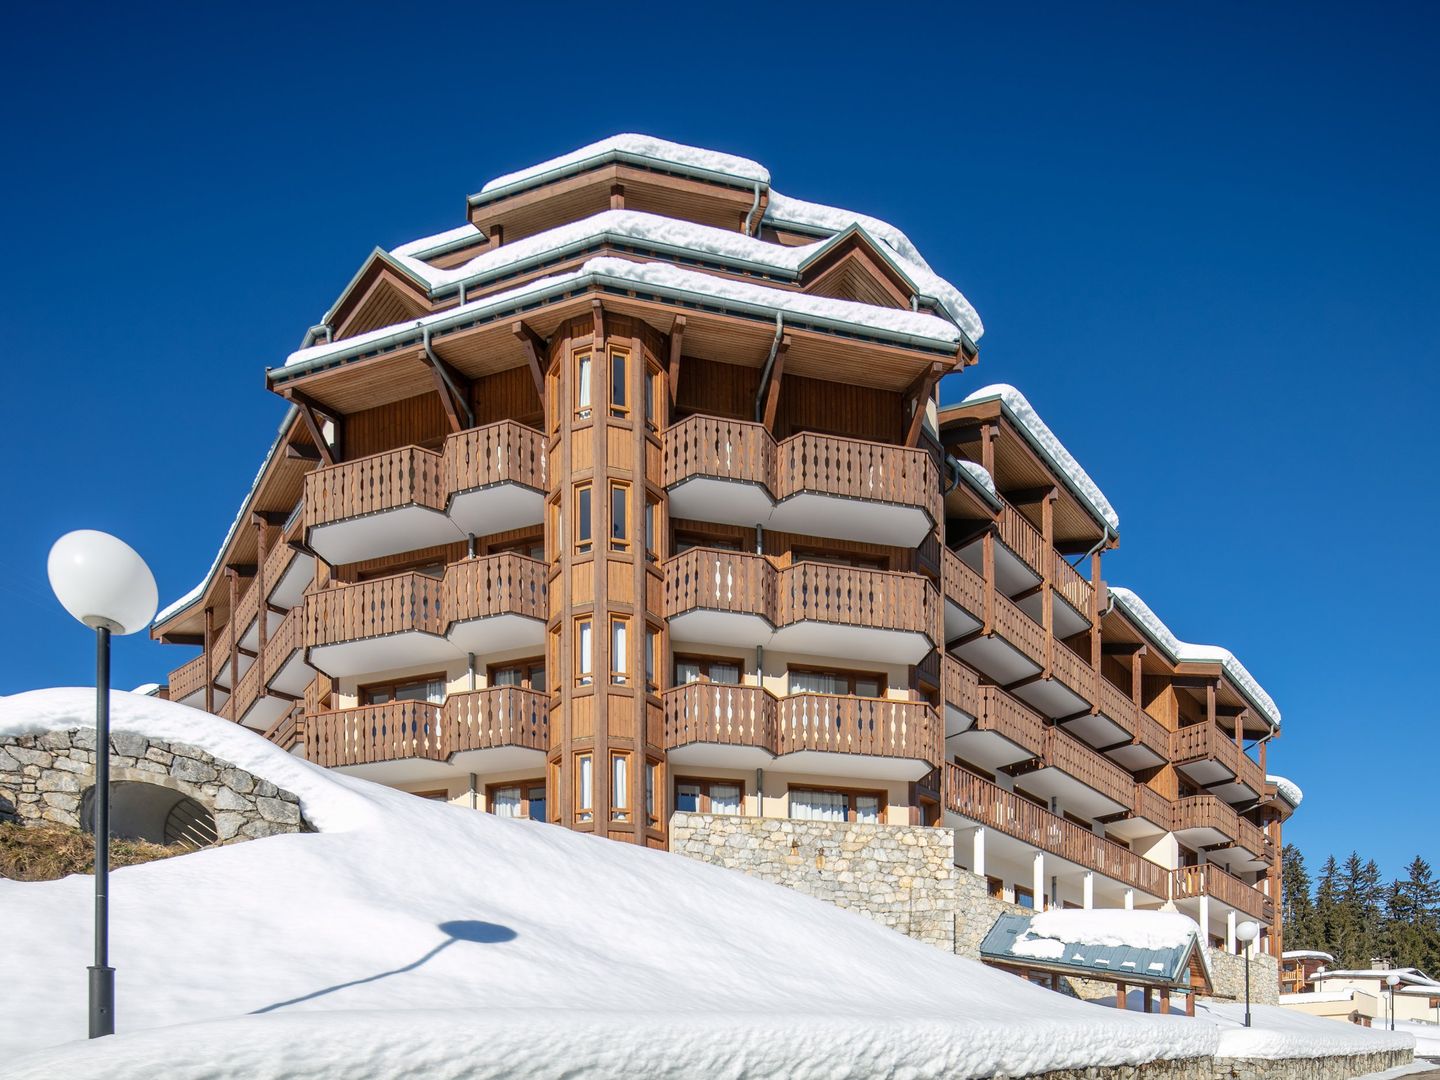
{"x": 1204, "y": 243}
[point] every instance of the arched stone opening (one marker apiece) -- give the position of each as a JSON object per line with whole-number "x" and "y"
{"x": 161, "y": 815}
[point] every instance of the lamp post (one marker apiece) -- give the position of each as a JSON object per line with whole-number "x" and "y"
{"x": 107, "y": 586}
{"x": 1245, "y": 933}
{"x": 1392, "y": 981}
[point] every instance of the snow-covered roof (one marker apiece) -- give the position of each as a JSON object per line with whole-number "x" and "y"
{"x": 1289, "y": 791}
{"x": 1179, "y": 651}
{"x": 1135, "y": 946}
{"x": 1316, "y": 996}
{"x": 1116, "y": 927}
{"x": 1039, "y": 435}
{"x": 1306, "y": 954}
{"x": 146, "y": 689}
{"x": 177, "y": 606}
{"x": 1409, "y": 976}
{"x": 630, "y": 146}
{"x": 685, "y": 239}
{"x": 428, "y": 247}
{"x": 911, "y": 327}
{"x": 498, "y": 966}
{"x": 978, "y": 477}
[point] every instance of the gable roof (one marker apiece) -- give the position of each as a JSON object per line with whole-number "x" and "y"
{"x": 1010, "y": 941}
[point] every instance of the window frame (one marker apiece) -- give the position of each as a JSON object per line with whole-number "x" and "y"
{"x": 620, "y": 675}
{"x": 704, "y": 783}
{"x": 621, "y": 541}
{"x": 618, "y": 409}
{"x": 526, "y": 787}
{"x": 393, "y": 685}
{"x": 704, "y": 662}
{"x": 584, "y": 807}
{"x": 850, "y": 794}
{"x": 622, "y": 799}
{"x": 527, "y": 666}
{"x": 850, "y": 675}
{"x": 585, "y": 651}
{"x": 584, "y": 518}
{"x": 584, "y": 385}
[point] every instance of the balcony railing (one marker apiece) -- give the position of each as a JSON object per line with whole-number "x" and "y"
{"x": 1006, "y": 715}
{"x": 1193, "y": 882}
{"x": 496, "y": 716}
{"x": 1071, "y": 585}
{"x": 716, "y": 713}
{"x": 1152, "y": 806}
{"x": 829, "y": 723}
{"x": 288, "y": 731}
{"x": 1022, "y": 538}
{"x": 981, "y": 801}
{"x": 708, "y": 446}
{"x": 960, "y": 686}
{"x": 963, "y": 586}
{"x": 1209, "y": 812}
{"x": 506, "y": 452}
{"x": 282, "y": 643}
{"x": 414, "y": 602}
{"x": 1074, "y": 758}
{"x": 277, "y": 561}
{"x": 188, "y": 678}
{"x": 735, "y": 582}
{"x": 408, "y": 476}
{"x": 1021, "y": 631}
{"x": 1207, "y": 742}
{"x": 1073, "y": 672}
{"x": 879, "y": 727}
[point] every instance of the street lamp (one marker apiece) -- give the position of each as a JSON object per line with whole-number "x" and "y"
{"x": 1245, "y": 933}
{"x": 107, "y": 586}
{"x": 1392, "y": 981}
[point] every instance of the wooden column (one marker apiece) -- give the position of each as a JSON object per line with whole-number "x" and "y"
{"x": 262, "y": 625}
{"x": 1047, "y": 577}
{"x": 234, "y": 582}
{"x": 209, "y": 659}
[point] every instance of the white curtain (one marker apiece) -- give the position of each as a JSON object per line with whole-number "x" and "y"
{"x": 582, "y": 401}
{"x": 817, "y": 805}
{"x": 506, "y": 802}
{"x": 817, "y": 682}
{"x": 725, "y": 798}
{"x": 867, "y": 809}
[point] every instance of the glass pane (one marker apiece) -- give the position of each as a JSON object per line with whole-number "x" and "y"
{"x": 650, "y": 646}
{"x": 686, "y": 671}
{"x": 376, "y": 697}
{"x": 506, "y": 802}
{"x": 651, "y": 511}
{"x": 617, "y": 379}
{"x": 537, "y": 678}
{"x": 817, "y": 805}
{"x": 584, "y": 648}
{"x": 867, "y": 687}
{"x": 867, "y": 809}
{"x": 1024, "y": 899}
{"x": 586, "y": 782}
{"x": 687, "y": 798}
{"x": 507, "y": 676}
{"x": 582, "y": 511}
{"x": 650, "y": 395}
{"x": 729, "y": 674}
{"x": 432, "y": 690}
{"x": 725, "y": 798}
{"x": 619, "y": 513}
{"x": 582, "y": 379}
{"x": 619, "y": 658}
{"x": 817, "y": 682}
{"x": 620, "y": 780}
{"x": 537, "y": 803}
{"x": 650, "y": 790}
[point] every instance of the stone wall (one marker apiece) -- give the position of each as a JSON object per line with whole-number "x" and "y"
{"x": 43, "y": 778}
{"x": 1321, "y": 1068}
{"x": 1227, "y": 971}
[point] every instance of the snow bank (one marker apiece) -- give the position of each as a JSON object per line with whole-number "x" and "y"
{"x": 642, "y": 146}
{"x": 1113, "y": 928}
{"x": 1204, "y": 654}
{"x": 1288, "y": 790}
{"x": 1051, "y": 448}
{"x": 414, "y": 938}
{"x": 1426, "y": 1036}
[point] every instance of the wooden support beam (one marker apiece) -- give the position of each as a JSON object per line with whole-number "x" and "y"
{"x": 273, "y": 518}
{"x": 1034, "y": 590}
{"x": 965, "y": 639}
{"x": 297, "y": 452}
{"x": 677, "y": 344}
{"x": 1010, "y": 688}
{"x": 244, "y": 570}
{"x": 617, "y": 196}
{"x": 597, "y": 314}
{"x": 919, "y": 392}
{"x": 1028, "y": 496}
{"x": 1021, "y": 768}
{"x": 275, "y": 609}
{"x": 281, "y": 695}
{"x": 1121, "y": 648}
{"x": 772, "y": 391}
{"x": 310, "y": 410}
{"x": 453, "y": 388}
{"x": 183, "y": 639}
{"x": 535, "y": 349}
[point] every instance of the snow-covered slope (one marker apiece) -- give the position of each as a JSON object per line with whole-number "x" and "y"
{"x": 414, "y": 938}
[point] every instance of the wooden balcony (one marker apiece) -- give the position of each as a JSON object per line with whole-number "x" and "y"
{"x": 1193, "y": 882}
{"x": 1075, "y": 759}
{"x": 479, "y": 605}
{"x": 1073, "y": 587}
{"x": 1152, "y": 806}
{"x": 733, "y": 598}
{"x": 1020, "y": 631}
{"x": 373, "y": 734}
{"x": 980, "y": 801}
{"x": 1022, "y": 538}
{"x": 1007, "y": 716}
{"x": 750, "y": 718}
{"x": 497, "y": 717}
{"x": 484, "y": 480}
{"x": 1206, "y": 812}
{"x": 188, "y": 679}
{"x": 877, "y": 727}
{"x": 1206, "y": 742}
{"x": 963, "y": 587}
{"x": 1074, "y": 673}
{"x": 818, "y": 485}
{"x": 288, "y": 732}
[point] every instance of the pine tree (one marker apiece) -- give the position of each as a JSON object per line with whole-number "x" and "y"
{"x": 1297, "y": 908}
{"x": 1412, "y": 918}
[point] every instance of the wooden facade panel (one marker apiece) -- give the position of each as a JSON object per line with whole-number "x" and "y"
{"x": 831, "y": 408}
{"x": 506, "y": 395}
{"x": 619, "y": 447}
{"x": 413, "y": 421}
{"x": 620, "y": 581}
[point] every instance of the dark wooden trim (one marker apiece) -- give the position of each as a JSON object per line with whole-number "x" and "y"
{"x": 534, "y": 346}
{"x": 677, "y": 344}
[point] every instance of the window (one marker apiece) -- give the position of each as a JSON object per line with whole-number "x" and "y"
{"x": 584, "y": 788}
{"x": 582, "y": 519}
{"x": 531, "y": 549}
{"x": 690, "y": 669}
{"x": 583, "y": 671}
{"x": 814, "y": 681}
{"x": 619, "y": 656}
{"x": 429, "y": 566}
{"x": 685, "y": 541}
{"x": 994, "y": 888}
{"x": 652, "y": 650}
{"x": 840, "y": 558}
{"x": 582, "y": 386}
{"x": 619, "y": 387}
{"x": 619, "y": 787}
{"x": 707, "y": 797}
{"x": 652, "y": 813}
{"x": 619, "y": 515}
{"x": 654, "y": 388}
{"x": 815, "y": 804}
{"x": 429, "y": 688}
{"x": 529, "y": 674}
{"x": 555, "y": 533}
{"x": 523, "y": 799}
{"x": 652, "y": 526}
{"x": 1024, "y": 897}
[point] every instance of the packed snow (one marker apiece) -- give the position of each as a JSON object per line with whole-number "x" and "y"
{"x": 1426, "y": 1036}
{"x": 641, "y": 146}
{"x": 979, "y": 474}
{"x": 1204, "y": 654}
{"x": 433, "y": 245}
{"x": 1288, "y": 789}
{"x": 417, "y": 938}
{"x": 1050, "y": 447}
{"x": 685, "y": 237}
{"x": 1113, "y": 928}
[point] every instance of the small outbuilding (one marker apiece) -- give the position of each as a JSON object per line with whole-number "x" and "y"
{"x": 1156, "y": 952}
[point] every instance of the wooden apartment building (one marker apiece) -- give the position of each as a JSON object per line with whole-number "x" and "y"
{"x": 632, "y": 495}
